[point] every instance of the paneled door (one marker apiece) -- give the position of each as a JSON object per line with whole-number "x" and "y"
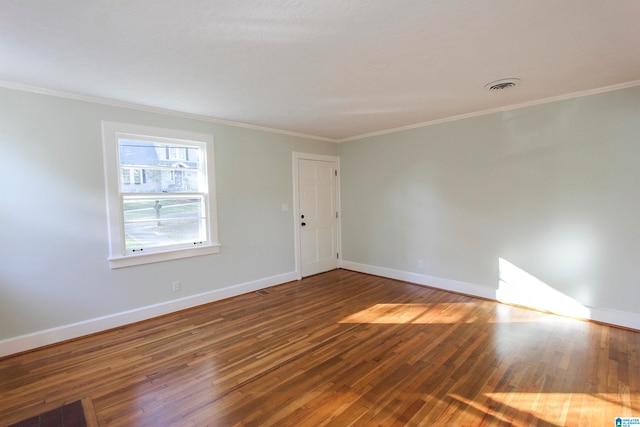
{"x": 318, "y": 216}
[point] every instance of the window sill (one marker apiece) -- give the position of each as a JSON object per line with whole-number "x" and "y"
{"x": 131, "y": 260}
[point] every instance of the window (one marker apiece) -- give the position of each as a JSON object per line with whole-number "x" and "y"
{"x": 132, "y": 176}
{"x": 158, "y": 196}
{"x": 177, "y": 153}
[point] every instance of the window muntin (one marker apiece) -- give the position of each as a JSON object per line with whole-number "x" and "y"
{"x": 161, "y": 201}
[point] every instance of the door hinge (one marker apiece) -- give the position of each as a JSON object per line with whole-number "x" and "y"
{"x": 336, "y": 214}
{"x": 336, "y": 172}
{"x": 337, "y": 255}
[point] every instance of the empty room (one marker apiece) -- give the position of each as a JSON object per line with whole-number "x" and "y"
{"x": 305, "y": 213}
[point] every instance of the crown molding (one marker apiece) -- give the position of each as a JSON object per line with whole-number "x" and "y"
{"x": 498, "y": 110}
{"x": 157, "y": 110}
{"x": 146, "y": 108}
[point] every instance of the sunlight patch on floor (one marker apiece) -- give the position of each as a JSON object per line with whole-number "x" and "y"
{"x": 556, "y": 404}
{"x": 411, "y": 313}
{"x": 444, "y": 313}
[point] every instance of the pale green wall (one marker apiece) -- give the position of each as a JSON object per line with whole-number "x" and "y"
{"x": 53, "y": 225}
{"x": 553, "y": 189}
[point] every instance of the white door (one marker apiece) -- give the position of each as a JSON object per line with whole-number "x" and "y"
{"x": 317, "y": 216}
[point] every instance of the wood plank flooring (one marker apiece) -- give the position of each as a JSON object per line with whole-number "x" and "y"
{"x": 337, "y": 349}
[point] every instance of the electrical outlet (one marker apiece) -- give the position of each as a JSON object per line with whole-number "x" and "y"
{"x": 176, "y": 286}
{"x": 420, "y": 263}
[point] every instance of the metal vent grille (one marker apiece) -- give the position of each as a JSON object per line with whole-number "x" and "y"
{"x": 501, "y": 84}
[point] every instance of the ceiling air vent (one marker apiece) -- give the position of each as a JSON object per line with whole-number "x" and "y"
{"x": 501, "y": 84}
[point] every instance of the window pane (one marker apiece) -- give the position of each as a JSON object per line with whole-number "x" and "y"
{"x": 146, "y": 209}
{"x": 155, "y": 167}
{"x": 164, "y": 233}
{"x": 163, "y": 221}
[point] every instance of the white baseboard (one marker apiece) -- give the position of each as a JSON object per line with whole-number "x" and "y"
{"x": 422, "y": 279}
{"x": 616, "y": 318}
{"x": 75, "y": 330}
{"x": 603, "y": 315}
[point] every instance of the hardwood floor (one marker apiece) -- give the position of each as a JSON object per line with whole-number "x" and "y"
{"x": 337, "y": 349}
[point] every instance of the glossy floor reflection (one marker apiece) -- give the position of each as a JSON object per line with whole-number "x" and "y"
{"x": 338, "y": 349}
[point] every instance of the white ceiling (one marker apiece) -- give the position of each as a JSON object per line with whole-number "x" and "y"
{"x": 332, "y": 68}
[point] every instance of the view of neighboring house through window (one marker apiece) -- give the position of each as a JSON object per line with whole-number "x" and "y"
{"x": 162, "y": 197}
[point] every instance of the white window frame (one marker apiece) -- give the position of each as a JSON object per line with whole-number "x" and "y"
{"x": 111, "y": 133}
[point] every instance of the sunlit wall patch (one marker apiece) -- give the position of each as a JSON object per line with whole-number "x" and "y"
{"x": 519, "y": 287}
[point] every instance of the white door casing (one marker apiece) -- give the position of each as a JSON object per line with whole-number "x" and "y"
{"x": 316, "y": 214}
